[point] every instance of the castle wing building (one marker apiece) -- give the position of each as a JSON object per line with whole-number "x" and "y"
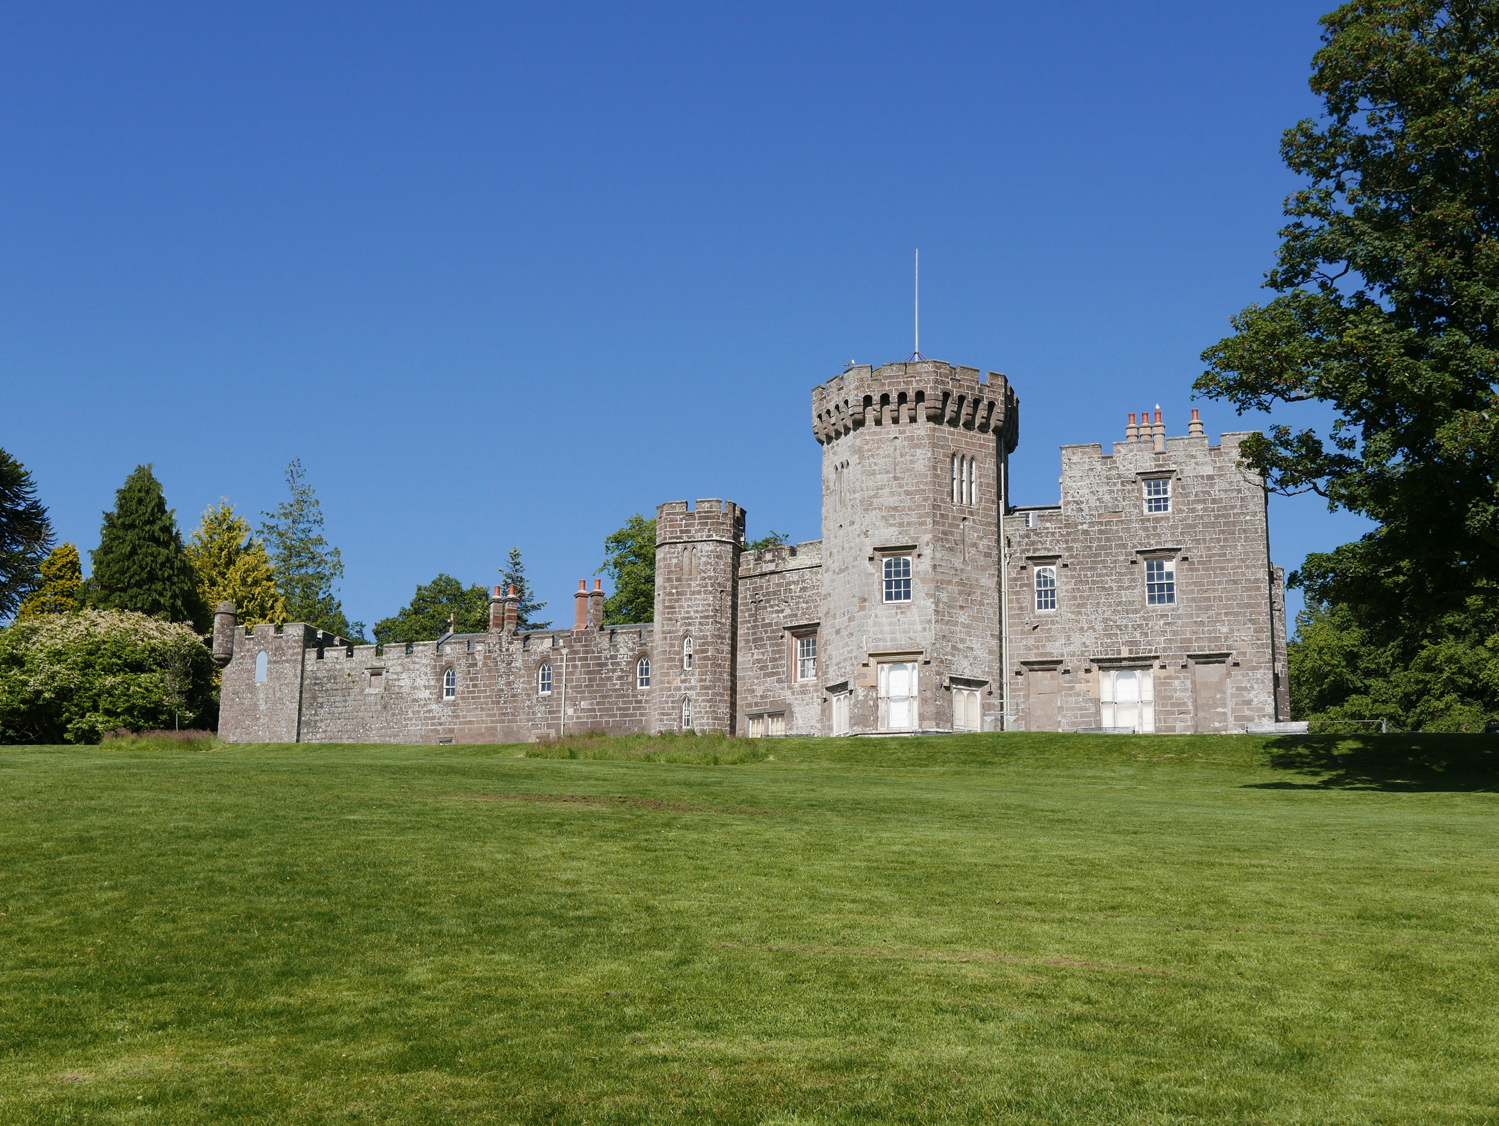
{"x": 1144, "y": 601}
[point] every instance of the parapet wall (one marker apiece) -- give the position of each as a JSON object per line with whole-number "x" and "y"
{"x": 930, "y": 391}
{"x": 679, "y": 522}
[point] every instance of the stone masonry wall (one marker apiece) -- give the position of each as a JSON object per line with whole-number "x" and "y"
{"x": 780, "y": 596}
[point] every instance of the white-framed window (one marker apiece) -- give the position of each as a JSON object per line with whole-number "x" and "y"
{"x": 1160, "y": 582}
{"x": 262, "y": 666}
{"x": 957, "y": 473}
{"x": 806, "y": 657}
{"x": 966, "y": 713}
{"x": 1157, "y": 494}
{"x": 841, "y": 712}
{"x": 544, "y": 679}
{"x": 1046, "y": 588}
{"x": 897, "y": 694}
{"x": 964, "y": 473}
{"x": 897, "y": 578}
{"x": 773, "y": 724}
{"x": 687, "y": 652}
{"x": 1127, "y": 699}
{"x": 643, "y": 673}
{"x": 968, "y": 486}
{"x": 686, "y": 713}
{"x": 449, "y": 684}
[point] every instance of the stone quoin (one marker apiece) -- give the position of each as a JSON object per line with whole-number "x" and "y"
{"x": 1145, "y": 600}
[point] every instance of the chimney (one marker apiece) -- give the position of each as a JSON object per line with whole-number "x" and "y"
{"x": 1130, "y": 433}
{"x": 496, "y": 610}
{"x": 596, "y": 605}
{"x": 580, "y": 606}
{"x": 512, "y": 610}
{"x": 1160, "y": 431}
{"x": 1194, "y": 428}
{"x": 223, "y": 633}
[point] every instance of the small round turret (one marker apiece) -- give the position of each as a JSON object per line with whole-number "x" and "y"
{"x": 223, "y": 633}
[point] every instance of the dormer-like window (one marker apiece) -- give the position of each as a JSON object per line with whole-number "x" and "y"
{"x": 687, "y": 653}
{"x": 643, "y": 673}
{"x": 544, "y": 680}
{"x": 449, "y": 684}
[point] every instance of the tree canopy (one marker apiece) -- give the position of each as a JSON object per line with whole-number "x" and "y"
{"x": 25, "y": 533}
{"x": 1388, "y": 312}
{"x": 60, "y": 588}
{"x": 630, "y": 561}
{"x": 426, "y": 616}
{"x": 307, "y": 567}
{"x": 514, "y": 574}
{"x": 232, "y": 566}
{"x": 140, "y": 563}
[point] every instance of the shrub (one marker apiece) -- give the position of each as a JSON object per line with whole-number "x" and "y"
{"x": 73, "y": 677}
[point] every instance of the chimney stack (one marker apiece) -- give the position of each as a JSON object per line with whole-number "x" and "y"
{"x": 512, "y": 611}
{"x": 580, "y": 606}
{"x": 1194, "y": 428}
{"x": 1130, "y": 433}
{"x": 496, "y": 610}
{"x": 1160, "y": 431}
{"x": 596, "y": 605}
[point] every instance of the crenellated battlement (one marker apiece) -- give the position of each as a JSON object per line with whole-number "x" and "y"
{"x": 781, "y": 557}
{"x": 931, "y": 391}
{"x": 712, "y": 519}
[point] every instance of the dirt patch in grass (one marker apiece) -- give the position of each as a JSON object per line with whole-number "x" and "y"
{"x": 615, "y": 800}
{"x": 915, "y": 955}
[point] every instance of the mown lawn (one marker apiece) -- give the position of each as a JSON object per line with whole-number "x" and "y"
{"x": 995, "y": 928}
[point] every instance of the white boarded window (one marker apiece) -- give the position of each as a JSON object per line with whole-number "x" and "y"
{"x": 897, "y": 578}
{"x": 841, "y": 713}
{"x": 1127, "y": 699}
{"x": 1158, "y": 494}
{"x": 806, "y": 657}
{"x": 1046, "y": 588}
{"x": 686, "y": 713}
{"x": 966, "y": 710}
{"x": 449, "y": 684}
{"x": 1160, "y": 582}
{"x": 262, "y": 666}
{"x": 970, "y": 470}
{"x": 643, "y": 673}
{"x": 897, "y": 692}
{"x": 686, "y": 652}
{"x": 544, "y": 680}
{"x": 956, "y": 477}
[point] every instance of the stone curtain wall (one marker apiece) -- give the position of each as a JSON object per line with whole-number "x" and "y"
{"x": 780, "y": 595}
{"x": 1227, "y": 591}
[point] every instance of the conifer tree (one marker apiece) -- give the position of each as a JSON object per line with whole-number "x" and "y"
{"x": 514, "y": 573}
{"x": 25, "y": 533}
{"x": 306, "y": 565}
{"x": 140, "y": 563}
{"x": 232, "y": 566}
{"x": 61, "y": 588}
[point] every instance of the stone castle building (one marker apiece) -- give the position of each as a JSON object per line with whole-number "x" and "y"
{"x": 1145, "y": 600}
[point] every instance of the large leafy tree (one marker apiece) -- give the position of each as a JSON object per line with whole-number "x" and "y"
{"x": 513, "y": 573}
{"x": 232, "y": 566}
{"x": 630, "y": 561}
{"x": 25, "y": 533}
{"x": 140, "y": 563}
{"x": 307, "y": 567}
{"x": 1388, "y": 312}
{"x": 60, "y": 588}
{"x": 427, "y": 616}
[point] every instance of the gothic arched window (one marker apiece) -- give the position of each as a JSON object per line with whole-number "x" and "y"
{"x": 643, "y": 673}
{"x": 687, "y": 652}
{"x": 544, "y": 680}
{"x": 449, "y": 684}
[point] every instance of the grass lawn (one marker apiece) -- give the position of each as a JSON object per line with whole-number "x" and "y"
{"x": 987, "y": 928}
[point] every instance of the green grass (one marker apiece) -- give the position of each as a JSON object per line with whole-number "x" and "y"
{"x": 996, "y": 928}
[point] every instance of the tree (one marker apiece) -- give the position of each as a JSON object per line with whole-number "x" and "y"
{"x": 232, "y": 566}
{"x": 425, "y": 618}
{"x": 60, "y": 590}
{"x": 630, "y": 561}
{"x": 514, "y": 574}
{"x": 73, "y": 677}
{"x": 140, "y": 563}
{"x": 25, "y": 533}
{"x": 306, "y": 566}
{"x": 772, "y": 539}
{"x": 1388, "y": 313}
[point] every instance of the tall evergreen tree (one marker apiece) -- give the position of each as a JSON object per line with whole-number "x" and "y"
{"x": 232, "y": 566}
{"x": 140, "y": 563}
{"x": 427, "y": 616}
{"x": 514, "y": 573}
{"x": 60, "y": 590}
{"x": 25, "y": 533}
{"x": 630, "y": 560}
{"x": 306, "y": 565}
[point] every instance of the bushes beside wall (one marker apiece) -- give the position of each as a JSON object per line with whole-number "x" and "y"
{"x": 73, "y": 677}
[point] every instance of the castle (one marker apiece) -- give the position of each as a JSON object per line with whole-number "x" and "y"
{"x": 1146, "y": 600}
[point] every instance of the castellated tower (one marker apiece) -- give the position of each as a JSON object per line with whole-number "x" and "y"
{"x": 693, "y": 679}
{"x": 913, "y": 466}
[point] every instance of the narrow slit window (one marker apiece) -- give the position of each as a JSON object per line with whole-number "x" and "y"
{"x": 956, "y": 478}
{"x": 544, "y": 680}
{"x": 686, "y": 713}
{"x": 262, "y": 666}
{"x": 643, "y": 673}
{"x": 1160, "y": 582}
{"x": 897, "y": 570}
{"x": 449, "y": 684}
{"x": 687, "y": 652}
{"x": 1046, "y": 588}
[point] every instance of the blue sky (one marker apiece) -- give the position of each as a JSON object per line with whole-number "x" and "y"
{"x": 506, "y": 275}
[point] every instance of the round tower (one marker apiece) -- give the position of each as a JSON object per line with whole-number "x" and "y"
{"x": 697, "y": 580}
{"x": 913, "y": 460}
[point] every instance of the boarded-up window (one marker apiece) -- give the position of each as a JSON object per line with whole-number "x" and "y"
{"x": 966, "y": 715}
{"x": 1128, "y": 699}
{"x": 262, "y": 665}
{"x": 840, "y": 713}
{"x": 1210, "y": 696}
{"x": 1042, "y": 687}
{"x": 897, "y": 689}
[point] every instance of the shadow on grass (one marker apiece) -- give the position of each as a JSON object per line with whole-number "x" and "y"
{"x": 1410, "y": 761}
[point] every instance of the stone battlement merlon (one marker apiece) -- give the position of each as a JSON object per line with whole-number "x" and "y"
{"x": 711, "y": 520}
{"x": 781, "y": 557}
{"x": 917, "y": 391}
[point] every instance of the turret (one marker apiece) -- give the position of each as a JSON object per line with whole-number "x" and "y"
{"x": 223, "y": 633}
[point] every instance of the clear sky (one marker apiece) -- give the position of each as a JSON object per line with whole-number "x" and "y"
{"x": 504, "y": 275}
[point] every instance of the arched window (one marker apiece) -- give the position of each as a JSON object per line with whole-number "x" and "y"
{"x": 1046, "y": 588}
{"x": 969, "y": 486}
{"x": 955, "y": 478}
{"x": 643, "y": 673}
{"x": 262, "y": 662}
{"x": 449, "y": 684}
{"x": 686, "y": 652}
{"x": 544, "y": 680}
{"x": 686, "y": 713}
